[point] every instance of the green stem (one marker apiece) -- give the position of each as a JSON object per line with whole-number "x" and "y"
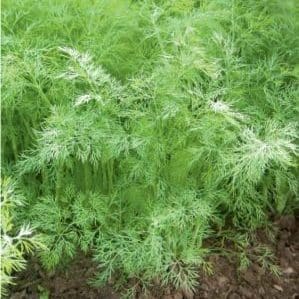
{"x": 104, "y": 175}
{"x": 87, "y": 176}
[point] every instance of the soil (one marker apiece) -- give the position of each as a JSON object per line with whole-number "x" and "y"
{"x": 227, "y": 282}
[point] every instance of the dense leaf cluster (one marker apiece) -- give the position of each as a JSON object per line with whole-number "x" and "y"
{"x": 15, "y": 244}
{"x": 138, "y": 129}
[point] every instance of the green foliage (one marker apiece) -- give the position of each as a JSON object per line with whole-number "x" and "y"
{"x": 138, "y": 129}
{"x": 14, "y": 243}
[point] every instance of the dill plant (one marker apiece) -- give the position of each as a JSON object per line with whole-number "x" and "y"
{"x": 15, "y": 244}
{"x": 139, "y": 129}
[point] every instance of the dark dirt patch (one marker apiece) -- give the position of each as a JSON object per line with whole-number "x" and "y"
{"x": 226, "y": 283}
{"x": 71, "y": 283}
{"x": 256, "y": 282}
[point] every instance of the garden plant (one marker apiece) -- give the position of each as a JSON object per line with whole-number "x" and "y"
{"x": 136, "y": 131}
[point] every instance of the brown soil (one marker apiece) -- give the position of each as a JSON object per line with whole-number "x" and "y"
{"x": 227, "y": 282}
